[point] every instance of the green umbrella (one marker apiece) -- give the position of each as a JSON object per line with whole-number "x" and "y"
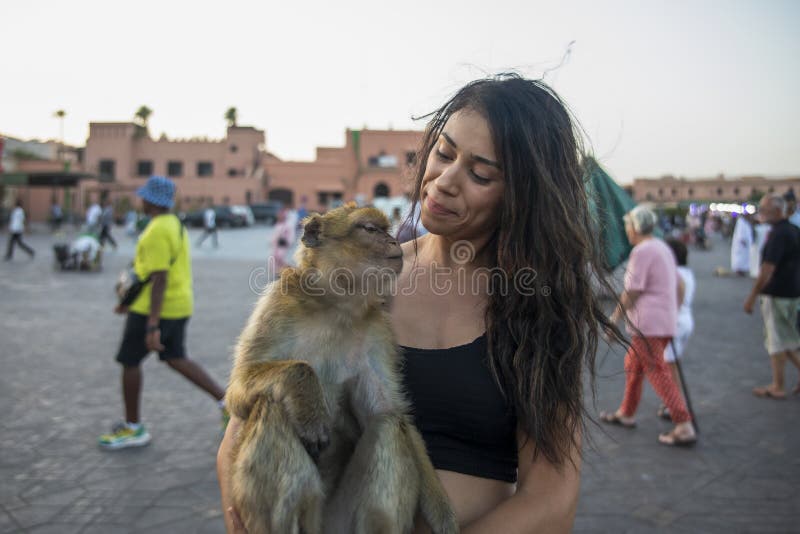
{"x": 608, "y": 203}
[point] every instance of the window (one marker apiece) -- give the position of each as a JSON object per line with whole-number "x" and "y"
{"x": 673, "y": 192}
{"x": 411, "y": 157}
{"x": 144, "y": 167}
{"x": 660, "y": 192}
{"x": 107, "y": 169}
{"x": 381, "y": 190}
{"x": 248, "y": 197}
{"x": 233, "y": 148}
{"x": 174, "y": 168}
{"x": 205, "y": 168}
{"x": 649, "y": 196}
{"x": 691, "y": 192}
{"x": 719, "y": 191}
{"x": 233, "y": 172}
{"x": 736, "y": 191}
{"x": 382, "y": 160}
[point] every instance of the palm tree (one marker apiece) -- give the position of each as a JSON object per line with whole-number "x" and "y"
{"x": 230, "y": 116}
{"x": 142, "y": 115}
{"x": 60, "y": 114}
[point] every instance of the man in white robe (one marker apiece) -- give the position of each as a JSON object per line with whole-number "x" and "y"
{"x": 740, "y": 245}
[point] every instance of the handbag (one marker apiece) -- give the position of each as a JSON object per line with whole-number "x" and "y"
{"x": 129, "y": 285}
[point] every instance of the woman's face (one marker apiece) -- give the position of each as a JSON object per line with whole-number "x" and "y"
{"x": 463, "y": 184}
{"x": 630, "y": 233}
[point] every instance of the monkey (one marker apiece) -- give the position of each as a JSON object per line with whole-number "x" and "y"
{"x": 327, "y": 444}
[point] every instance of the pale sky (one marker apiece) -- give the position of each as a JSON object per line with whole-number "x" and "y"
{"x": 690, "y": 88}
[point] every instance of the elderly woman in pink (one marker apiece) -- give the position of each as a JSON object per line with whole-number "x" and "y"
{"x": 650, "y": 303}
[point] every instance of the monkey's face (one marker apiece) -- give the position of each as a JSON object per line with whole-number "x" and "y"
{"x": 352, "y": 242}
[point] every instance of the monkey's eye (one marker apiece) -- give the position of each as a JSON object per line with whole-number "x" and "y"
{"x": 369, "y": 227}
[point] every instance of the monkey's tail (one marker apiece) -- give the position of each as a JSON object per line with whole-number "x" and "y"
{"x": 433, "y": 502}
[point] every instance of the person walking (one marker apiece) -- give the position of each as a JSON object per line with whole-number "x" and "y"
{"x": 650, "y": 303}
{"x": 93, "y": 218}
{"x": 209, "y": 225}
{"x": 778, "y": 283}
{"x": 741, "y": 242}
{"x": 16, "y": 227}
{"x": 106, "y": 220}
{"x": 56, "y": 216}
{"x": 157, "y": 319}
{"x": 685, "y": 324}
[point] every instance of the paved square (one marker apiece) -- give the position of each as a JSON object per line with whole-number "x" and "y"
{"x": 59, "y": 389}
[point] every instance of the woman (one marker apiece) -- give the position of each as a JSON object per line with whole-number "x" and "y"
{"x": 650, "y": 301}
{"x": 282, "y": 241}
{"x": 685, "y": 324}
{"x": 493, "y": 365}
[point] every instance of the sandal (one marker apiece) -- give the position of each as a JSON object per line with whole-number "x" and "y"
{"x": 767, "y": 392}
{"x": 612, "y": 418}
{"x": 663, "y": 413}
{"x": 671, "y": 439}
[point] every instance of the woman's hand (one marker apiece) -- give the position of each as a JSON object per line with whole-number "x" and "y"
{"x": 233, "y": 523}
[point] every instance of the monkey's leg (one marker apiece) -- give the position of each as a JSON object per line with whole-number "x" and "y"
{"x": 275, "y": 485}
{"x": 378, "y": 491}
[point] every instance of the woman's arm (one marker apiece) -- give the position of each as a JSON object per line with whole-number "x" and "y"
{"x": 626, "y": 301}
{"x": 224, "y": 475}
{"x": 546, "y": 498}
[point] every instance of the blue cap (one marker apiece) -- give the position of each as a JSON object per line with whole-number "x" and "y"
{"x": 159, "y": 191}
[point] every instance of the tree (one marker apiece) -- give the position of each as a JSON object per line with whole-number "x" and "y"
{"x": 230, "y": 116}
{"x": 142, "y": 115}
{"x": 60, "y": 114}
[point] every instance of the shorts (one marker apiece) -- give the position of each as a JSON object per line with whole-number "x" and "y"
{"x": 133, "y": 349}
{"x": 780, "y": 323}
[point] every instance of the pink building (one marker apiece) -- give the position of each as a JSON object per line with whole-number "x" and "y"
{"x": 123, "y": 156}
{"x": 239, "y": 170}
{"x": 669, "y": 189}
{"x": 372, "y": 163}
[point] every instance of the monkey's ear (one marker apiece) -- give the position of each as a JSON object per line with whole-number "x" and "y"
{"x": 312, "y": 231}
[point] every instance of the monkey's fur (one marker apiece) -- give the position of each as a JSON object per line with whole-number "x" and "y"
{"x": 326, "y": 445}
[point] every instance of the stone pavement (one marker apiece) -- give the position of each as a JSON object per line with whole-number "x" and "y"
{"x": 59, "y": 389}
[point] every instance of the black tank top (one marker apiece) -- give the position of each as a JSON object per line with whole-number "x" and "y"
{"x": 467, "y": 425}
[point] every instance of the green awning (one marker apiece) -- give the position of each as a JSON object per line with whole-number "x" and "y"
{"x": 608, "y": 203}
{"x": 43, "y": 179}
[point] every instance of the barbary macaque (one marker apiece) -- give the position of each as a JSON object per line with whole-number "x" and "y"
{"x": 326, "y": 444}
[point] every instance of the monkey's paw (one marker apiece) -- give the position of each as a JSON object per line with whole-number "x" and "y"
{"x": 315, "y": 435}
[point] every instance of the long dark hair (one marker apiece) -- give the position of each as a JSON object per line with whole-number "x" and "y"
{"x": 538, "y": 344}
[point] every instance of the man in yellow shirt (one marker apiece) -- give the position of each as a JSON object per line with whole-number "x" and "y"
{"x": 156, "y": 320}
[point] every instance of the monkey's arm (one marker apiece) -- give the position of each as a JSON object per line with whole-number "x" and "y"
{"x": 291, "y": 383}
{"x": 545, "y": 500}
